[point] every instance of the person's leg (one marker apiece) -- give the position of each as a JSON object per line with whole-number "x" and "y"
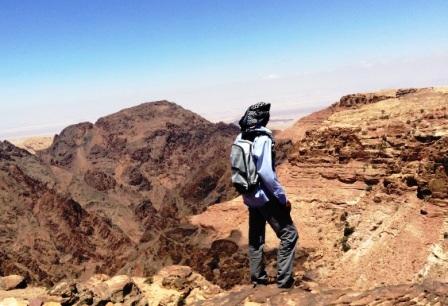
{"x": 286, "y": 253}
{"x": 279, "y": 219}
{"x": 257, "y": 227}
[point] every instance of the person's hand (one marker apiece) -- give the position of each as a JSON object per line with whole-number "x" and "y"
{"x": 288, "y": 205}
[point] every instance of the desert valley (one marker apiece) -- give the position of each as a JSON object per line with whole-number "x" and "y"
{"x": 138, "y": 208}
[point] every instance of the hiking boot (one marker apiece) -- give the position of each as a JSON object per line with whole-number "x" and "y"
{"x": 260, "y": 283}
{"x": 289, "y": 284}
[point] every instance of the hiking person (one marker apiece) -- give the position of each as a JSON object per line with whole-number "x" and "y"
{"x": 253, "y": 174}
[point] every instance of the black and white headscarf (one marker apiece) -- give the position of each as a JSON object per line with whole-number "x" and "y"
{"x": 256, "y": 115}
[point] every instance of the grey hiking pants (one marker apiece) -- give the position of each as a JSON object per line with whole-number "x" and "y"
{"x": 279, "y": 218}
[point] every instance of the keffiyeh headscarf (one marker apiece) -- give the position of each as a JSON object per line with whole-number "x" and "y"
{"x": 256, "y": 115}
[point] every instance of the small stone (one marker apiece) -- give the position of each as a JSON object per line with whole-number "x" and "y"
{"x": 35, "y": 302}
{"x": 12, "y": 282}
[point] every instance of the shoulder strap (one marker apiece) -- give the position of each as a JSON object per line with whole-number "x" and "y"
{"x": 251, "y": 135}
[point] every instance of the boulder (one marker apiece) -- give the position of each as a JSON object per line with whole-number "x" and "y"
{"x": 67, "y": 291}
{"x": 121, "y": 287}
{"x": 12, "y": 282}
{"x": 101, "y": 289}
{"x": 176, "y": 277}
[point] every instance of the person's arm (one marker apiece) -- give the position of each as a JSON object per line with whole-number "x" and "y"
{"x": 267, "y": 174}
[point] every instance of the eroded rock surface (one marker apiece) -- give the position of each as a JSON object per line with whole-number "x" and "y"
{"x": 45, "y": 235}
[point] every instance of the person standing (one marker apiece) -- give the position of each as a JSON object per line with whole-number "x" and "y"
{"x": 266, "y": 200}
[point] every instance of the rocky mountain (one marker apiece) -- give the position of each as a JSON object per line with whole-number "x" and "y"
{"x": 156, "y": 152}
{"x": 119, "y": 188}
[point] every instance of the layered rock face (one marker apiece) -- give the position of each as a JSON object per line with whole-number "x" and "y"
{"x": 374, "y": 176}
{"x": 368, "y": 182}
{"x": 46, "y": 236}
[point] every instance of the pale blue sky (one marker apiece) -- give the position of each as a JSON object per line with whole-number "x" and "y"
{"x": 62, "y": 62}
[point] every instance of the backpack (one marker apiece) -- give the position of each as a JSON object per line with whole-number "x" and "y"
{"x": 245, "y": 177}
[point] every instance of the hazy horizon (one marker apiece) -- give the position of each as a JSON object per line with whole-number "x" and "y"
{"x": 68, "y": 62}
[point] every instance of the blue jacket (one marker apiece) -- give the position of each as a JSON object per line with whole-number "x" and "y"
{"x": 269, "y": 188}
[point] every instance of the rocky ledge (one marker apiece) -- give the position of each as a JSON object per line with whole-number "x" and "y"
{"x": 173, "y": 285}
{"x": 179, "y": 285}
{"x": 428, "y": 293}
